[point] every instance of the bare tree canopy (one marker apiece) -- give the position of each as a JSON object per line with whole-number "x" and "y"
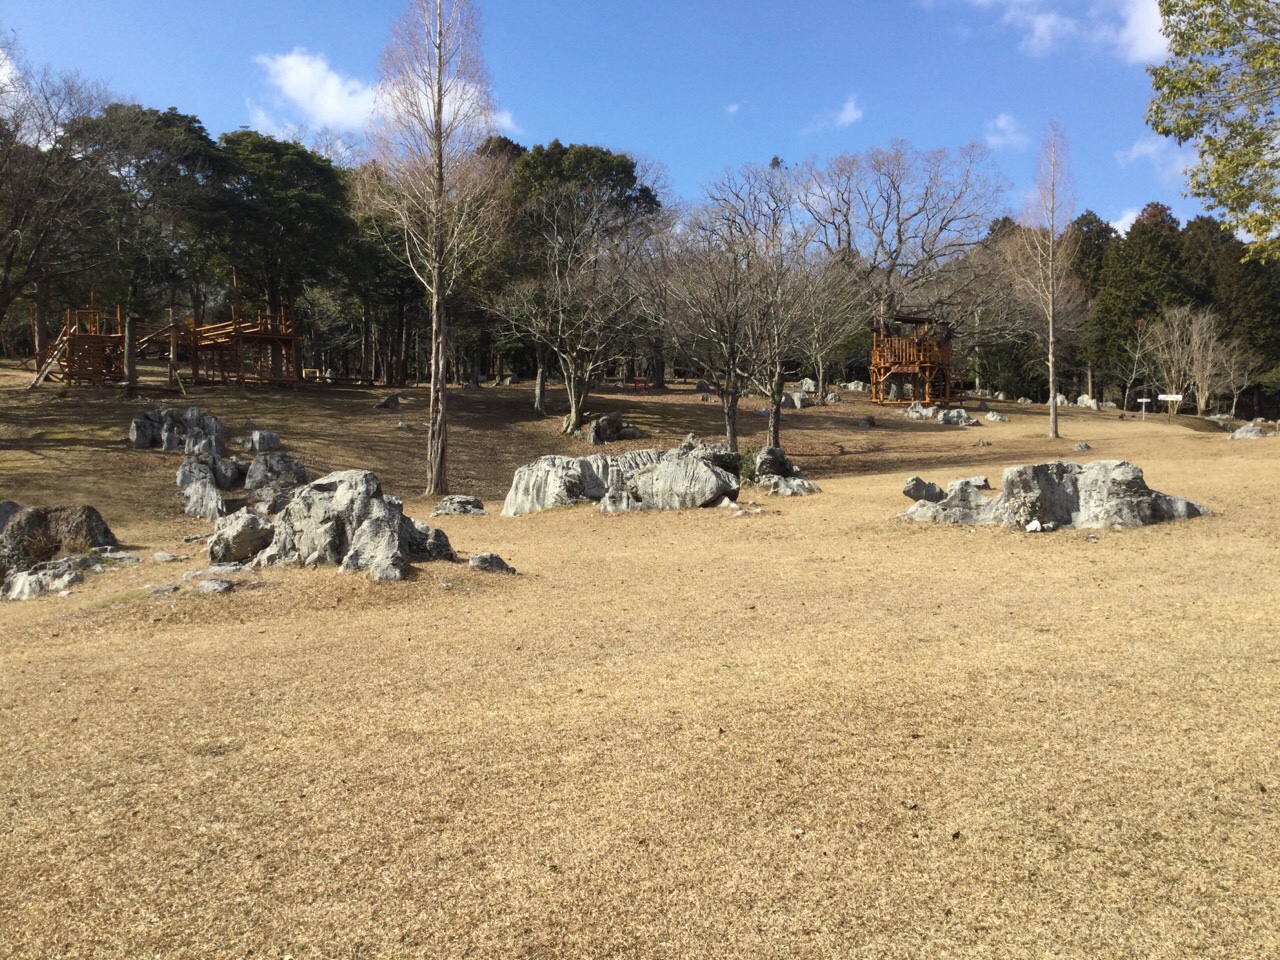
{"x": 897, "y": 215}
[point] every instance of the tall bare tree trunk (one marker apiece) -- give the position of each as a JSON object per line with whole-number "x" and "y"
{"x": 41, "y": 333}
{"x": 729, "y": 404}
{"x": 437, "y": 425}
{"x": 540, "y": 381}
{"x": 775, "y": 409}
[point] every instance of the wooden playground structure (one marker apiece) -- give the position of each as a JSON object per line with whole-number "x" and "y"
{"x": 911, "y": 360}
{"x": 89, "y": 349}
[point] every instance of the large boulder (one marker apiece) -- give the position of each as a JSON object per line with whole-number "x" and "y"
{"x": 201, "y": 498}
{"x": 796, "y": 400}
{"x": 344, "y": 519}
{"x": 264, "y": 441}
{"x": 144, "y": 432}
{"x": 554, "y": 481}
{"x": 808, "y": 385}
{"x": 39, "y": 534}
{"x": 1250, "y": 431}
{"x": 275, "y": 469}
{"x": 1104, "y": 493}
{"x": 239, "y": 536}
{"x": 603, "y": 429}
{"x": 680, "y": 483}
{"x": 958, "y": 417}
{"x": 917, "y": 411}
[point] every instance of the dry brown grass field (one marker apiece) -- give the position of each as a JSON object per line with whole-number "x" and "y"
{"x": 818, "y": 732}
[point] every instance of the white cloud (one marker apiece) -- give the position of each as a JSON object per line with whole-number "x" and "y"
{"x": 848, "y": 114}
{"x": 324, "y": 96}
{"x": 1137, "y": 37}
{"x": 1123, "y": 222}
{"x": 1005, "y": 132}
{"x": 1167, "y": 159}
{"x": 1131, "y": 28}
{"x": 732, "y": 109}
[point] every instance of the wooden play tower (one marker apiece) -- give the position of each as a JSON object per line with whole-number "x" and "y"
{"x": 911, "y": 360}
{"x": 89, "y": 349}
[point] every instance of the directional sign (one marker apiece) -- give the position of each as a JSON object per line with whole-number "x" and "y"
{"x": 1171, "y": 397}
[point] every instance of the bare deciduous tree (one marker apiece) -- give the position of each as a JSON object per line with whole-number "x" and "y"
{"x": 895, "y": 216}
{"x": 1241, "y": 366}
{"x": 1042, "y": 252}
{"x": 1190, "y": 353}
{"x": 708, "y": 298}
{"x": 761, "y": 205}
{"x": 434, "y": 111}
{"x": 581, "y": 302}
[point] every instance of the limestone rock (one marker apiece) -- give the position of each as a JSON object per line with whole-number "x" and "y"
{"x": 958, "y": 417}
{"x": 490, "y": 563}
{"x": 995, "y": 417}
{"x": 796, "y": 400}
{"x": 916, "y": 411}
{"x": 808, "y": 385}
{"x": 776, "y": 486}
{"x": 388, "y": 403}
{"x": 344, "y": 519}
{"x": 37, "y": 535}
{"x": 554, "y": 481}
{"x": 239, "y": 536}
{"x": 1104, "y": 493}
{"x": 459, "y": 504}
{"x": 1081, "y": 447}
{"x": 1250, "y": 431}
{"x": 264, "y": 441}
{"x": 201, "y": 499}
{"x": 681, "y": 483}
{"x": 917, "y": 488}
{"x": 144, "y": 433}
{"x": 274, "y": 469}
{"x": 214, "y": 585}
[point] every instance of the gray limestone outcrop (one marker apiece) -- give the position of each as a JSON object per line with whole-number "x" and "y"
{"x": 344, "y": 519}
{"x": 1103, "y": 493}
{"x": 239, "y": 536}
{"x": 695, "y": 474}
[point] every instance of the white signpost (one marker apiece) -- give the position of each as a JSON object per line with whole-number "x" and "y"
{"x": 1144, "y": 401}
{"x": 1173, "y": 399}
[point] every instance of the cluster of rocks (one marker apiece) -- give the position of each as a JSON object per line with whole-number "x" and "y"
{"x": 47, "y": 549}
{"x": 696, "y": 474}
{"x": 608, "y": 428}
{"x": 779, "y": 476}
{"x": 342, "y": 518}
{"x": 1046, "y": 496}
{"x": 952, "y": 417}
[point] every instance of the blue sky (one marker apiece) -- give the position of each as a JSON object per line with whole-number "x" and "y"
{"x": 696, "y": 86}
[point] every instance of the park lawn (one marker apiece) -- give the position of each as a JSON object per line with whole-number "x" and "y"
{"x": 818, "y": 732}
